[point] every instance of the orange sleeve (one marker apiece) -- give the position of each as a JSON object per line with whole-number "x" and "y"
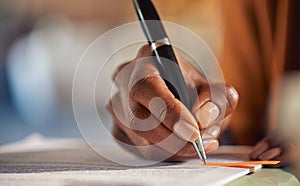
{"x": 245, "y": 60}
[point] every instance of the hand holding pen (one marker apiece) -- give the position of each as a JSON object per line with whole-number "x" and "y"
{"x": 178, "y": 120}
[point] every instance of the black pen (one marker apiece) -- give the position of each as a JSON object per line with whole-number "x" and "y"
{"x": 162, "y": 49}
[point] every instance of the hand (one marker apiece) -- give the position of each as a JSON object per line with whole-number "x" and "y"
{"x": 148, "y": 116}
{"x": 274, "y": 147}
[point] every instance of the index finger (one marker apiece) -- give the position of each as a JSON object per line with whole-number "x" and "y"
{"x": 150, "y": 90}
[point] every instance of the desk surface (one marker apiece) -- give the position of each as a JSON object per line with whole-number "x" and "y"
{"x": 267, "y": 177}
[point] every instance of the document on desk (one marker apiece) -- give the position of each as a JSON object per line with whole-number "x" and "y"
{"x": 77, "y": 164}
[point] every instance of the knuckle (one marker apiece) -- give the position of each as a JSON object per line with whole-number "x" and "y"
{"x": 144, "y": 51}
{"x": 121, "y": 77}
{"x": 187, "y": 150}
{"x": 119, "y": 134}
{"x": 109, "y": 106}
{"x": 142, "y": 86}
{"x": 162, "y": 113}
{"x": 115, "y": 131}
{"x": 158, "y": 107}
{"x": 224, "y": 96}
{"x": 232, "y": 96}
{"x": 132, "y": 117}
{"x": 144, "y": 68}
{"x": 173, "y": 107}
{"x": 138, "y": 118}
{"x": 119, "y": 69}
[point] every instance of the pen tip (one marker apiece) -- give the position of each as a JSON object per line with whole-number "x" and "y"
{"x": 205, "y": 162}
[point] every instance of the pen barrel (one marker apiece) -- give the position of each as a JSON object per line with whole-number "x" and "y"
{"x": 169, "y": 70}
{"x": 150, "y": 20}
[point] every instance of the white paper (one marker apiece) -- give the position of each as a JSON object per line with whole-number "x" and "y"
{"x": 79, "y": 165}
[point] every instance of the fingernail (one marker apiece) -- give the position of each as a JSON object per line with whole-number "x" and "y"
{"x": 211, "y": 132}
{"x": 186, "y": 131}
{"x": 271, "y": 154}
{"x": 210, "y": 145}
{"x": 207, "y": 113}
{"x": 258, "y": 149}
{"x": 261, "y": 146}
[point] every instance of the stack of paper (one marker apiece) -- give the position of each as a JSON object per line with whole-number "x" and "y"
{"x": 71, "y": 162}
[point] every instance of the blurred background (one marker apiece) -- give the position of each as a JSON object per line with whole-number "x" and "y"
{"x": 41, "y": 42}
